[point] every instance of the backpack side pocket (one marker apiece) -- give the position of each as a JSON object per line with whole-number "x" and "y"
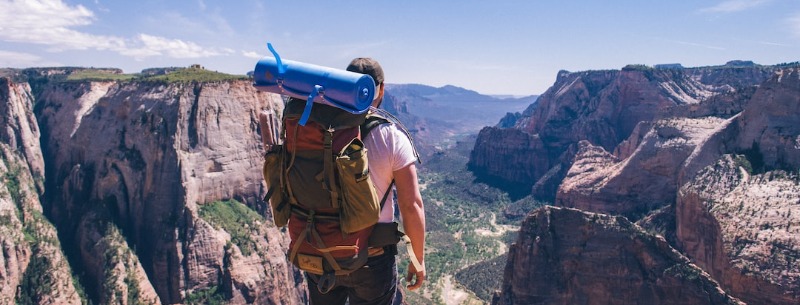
{"x": 360, "y": 204}
{"x": 272, "y": 171}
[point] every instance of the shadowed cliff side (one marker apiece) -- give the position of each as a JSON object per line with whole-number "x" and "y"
{"x": 33, "y": 269}
{"x": 566, "y": 256}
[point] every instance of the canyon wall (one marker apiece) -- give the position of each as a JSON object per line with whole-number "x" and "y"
{"x": 715, "y": 174}
{"x": 140, "y": 177}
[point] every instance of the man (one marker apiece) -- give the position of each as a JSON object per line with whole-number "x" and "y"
{"x": 392, "y": 157}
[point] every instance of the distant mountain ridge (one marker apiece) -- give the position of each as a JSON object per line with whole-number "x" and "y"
{"x": 452, "y": 111}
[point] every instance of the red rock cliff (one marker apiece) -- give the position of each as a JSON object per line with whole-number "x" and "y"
{"x": 33, "y": 268}
{"x": 131, "y": 166}
{"x": 566, "y": 256}
{"x": 724, "y": 185}
{"x": 603, "y": 108}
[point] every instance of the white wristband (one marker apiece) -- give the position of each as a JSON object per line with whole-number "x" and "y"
{"x": 412, "y": 256}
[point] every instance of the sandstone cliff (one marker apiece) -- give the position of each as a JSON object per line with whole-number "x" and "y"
{"x": 744, "y": 230}
{"x": 717, "y": 172}
{"x": 642, "y": 175}
{"x": 737, "y": 216}
{"x": 142, "y": 158}
{"x": 604, "y": 108}
{"x": 33, "y": 269}
{"x": 566, "y": 256}
{"x": 720, "y": 194}
{"x": 155, "y": 188}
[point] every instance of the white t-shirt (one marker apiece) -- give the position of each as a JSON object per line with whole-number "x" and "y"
{"x": 388, "y": 150}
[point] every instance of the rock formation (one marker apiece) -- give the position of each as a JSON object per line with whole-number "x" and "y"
{"x": 642, "y": 175}
{"x": 566, "y": 256}
{"x": 744, "y": 230}
{"x": 131, "y": 166}
{"x": 604, "y": 108}
{"x": 737, "y": 216}
{"x": 716, "y": 174}
{"x": 33, "y": 269}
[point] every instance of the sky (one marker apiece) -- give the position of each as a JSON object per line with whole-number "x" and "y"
{"x": 492, "y": 47}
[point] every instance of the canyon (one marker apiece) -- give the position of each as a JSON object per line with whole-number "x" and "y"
{"x": 664, "y": 185}
{"x": 705, "y": 158}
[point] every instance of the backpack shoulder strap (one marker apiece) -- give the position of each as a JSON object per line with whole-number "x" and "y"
{"x": 378, "y": 117}
{"x": 373, "y": 120}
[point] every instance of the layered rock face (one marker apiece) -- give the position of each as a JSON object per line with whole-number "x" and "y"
{"x": 566, "y": 256}
{"x": 604, "y": 108}
{"x": 744, "y": 230}
{"x": 33, "y": 269}
{"x": 718, "y": 175}
{"x": 738, "y": 216}
{"x": 642, "y": 175}
{"x": 140, "y": 179}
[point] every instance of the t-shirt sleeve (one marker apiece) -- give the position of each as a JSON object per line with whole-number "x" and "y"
{"x": 402, "y": 150}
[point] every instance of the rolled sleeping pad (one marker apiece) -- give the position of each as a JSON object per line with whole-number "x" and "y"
{"x": 343, "y": 89}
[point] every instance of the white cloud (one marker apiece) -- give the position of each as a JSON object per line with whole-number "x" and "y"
{"x": 54, "y": 23}
{"x": 154, "y": 46}
{"x": 251, "y": 54}
{"x": 49, "y": 22}
{"x": 730, "y": 6}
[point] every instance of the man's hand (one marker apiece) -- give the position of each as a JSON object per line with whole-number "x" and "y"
{"x": 418, "y": 277}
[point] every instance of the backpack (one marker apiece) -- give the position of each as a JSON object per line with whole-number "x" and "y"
{"x": 319, "y": 185}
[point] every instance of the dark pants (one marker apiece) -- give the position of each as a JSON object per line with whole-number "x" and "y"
{"x": 373, "y": 284}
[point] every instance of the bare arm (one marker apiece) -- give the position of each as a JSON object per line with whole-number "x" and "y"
{"x": 409, "y": 201}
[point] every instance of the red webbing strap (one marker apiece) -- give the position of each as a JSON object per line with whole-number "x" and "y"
{"x": 308, "y": 233}
{"x": 285, "y": 174}
{"x": 327, "y": 255}
{"x": 299, "y": 240}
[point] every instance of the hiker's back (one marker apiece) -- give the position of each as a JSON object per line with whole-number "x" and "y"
{"x": 324, "y": 189}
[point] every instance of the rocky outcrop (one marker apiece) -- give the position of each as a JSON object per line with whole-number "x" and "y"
{"x": 33, "y": 269}
{"x": 744, "y": 230}
{"x": 515, "y": 147}
{"x": 104, "y": 252}
{"x": 143, "y": 158}
{"x": 717, "y": 178}
{"x": 566, "y": 256}
{"x": 769, "y": 127}
{"x": 646, "y": 170}
{"x": 604, "y": 108}
{"x": 20, "y": 128}
{"x": 642, "y": 175}
{"x": 737, "y": 215}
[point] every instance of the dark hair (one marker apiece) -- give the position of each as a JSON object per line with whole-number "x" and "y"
{"x": 369, "y": 66}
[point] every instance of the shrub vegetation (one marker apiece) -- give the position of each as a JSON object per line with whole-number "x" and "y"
{"x": 236, "y": 219}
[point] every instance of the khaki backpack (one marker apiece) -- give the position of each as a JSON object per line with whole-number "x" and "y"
{"x": 319, "y": 184}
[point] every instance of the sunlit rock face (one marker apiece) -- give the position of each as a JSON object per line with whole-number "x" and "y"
{"x": 129, "y": 167}
{"x": 716, "y": 174}
{"x": 603, "y": 108}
